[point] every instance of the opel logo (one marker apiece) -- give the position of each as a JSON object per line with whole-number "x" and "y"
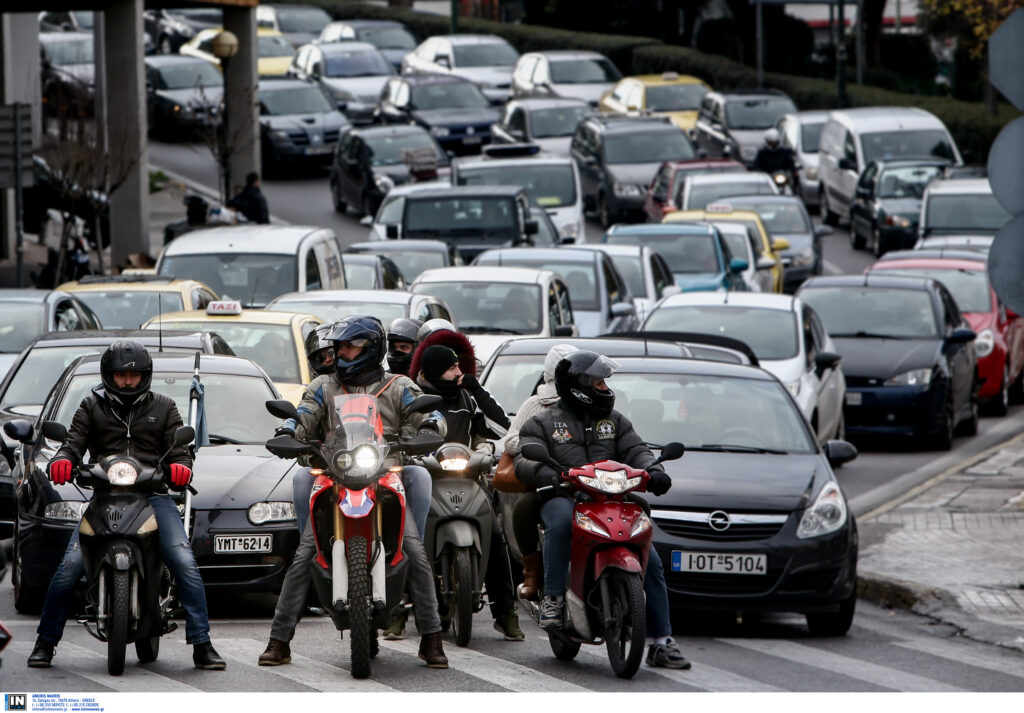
{"x": 719, "y": 521}
{"x": 470, "y": 130}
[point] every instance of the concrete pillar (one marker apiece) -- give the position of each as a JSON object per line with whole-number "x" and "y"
{"x": 126, "y": 130}
{"x": 241, "y": 98}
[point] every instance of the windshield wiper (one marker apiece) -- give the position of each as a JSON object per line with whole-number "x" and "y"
{"x": 225, "y": 439}
{"x": 487, "y": 330}
{"x": 731, "y": 448}
{"x": 871, "y": 335}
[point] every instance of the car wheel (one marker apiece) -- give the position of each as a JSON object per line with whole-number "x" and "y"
{"x": 876, "y": 241}
{"x": 1001, "y": 404}
{"x": 1017, "y": 389}
{"x": 27, "y": 599}
{"x": 969, "y": 426}
{"x": 856, "y": 239}
{"x": 944, "y": 438}
{"x": 165, "y": 45}
{"x": 602, "y": 211}
{"x": 834, "y": 623}
{"x": 830, "y": 218}
{"x": 339, "y": 205}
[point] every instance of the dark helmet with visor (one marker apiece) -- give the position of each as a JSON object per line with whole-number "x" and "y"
{"x": 126, "y": 356}
{"x": 401, "y": 330}
{"x": 364, "y": 331}
{"x": 319, "y": 348}
{"x": 575, "y": 377}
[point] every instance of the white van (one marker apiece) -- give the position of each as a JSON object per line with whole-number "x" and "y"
{"x": 255, "y": 264}
{"x": 852, "y": 138}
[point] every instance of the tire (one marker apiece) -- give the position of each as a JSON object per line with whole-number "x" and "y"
{"x": 117, "y": 632}
{"x": 147, "y": 649}
{"x": 603, "y": 215}
{"x": 834, "y": 623}
{"x": 876, "y": 241}
{"x": 561, "y": 647}
{"x": 359, "y": 605}
{"x": 829, "y": 218}
{"x": 944, "y": 438}
{"x": 969, "y": 427}
{"x": 1017, "y": 389}
{"x": 27, "y": 600}
{"x": 339, "y": 205}
{"x": 856, "y": 240}
{"x": 1001, "y": 404}
{"x": 461, "y": 611}
{"x": 625, "y": 641}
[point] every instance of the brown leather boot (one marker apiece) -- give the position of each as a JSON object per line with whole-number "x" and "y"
{"x": 432, "y": 652}
{"x": 532, "y": 577}
{"x": 277, "y": 653}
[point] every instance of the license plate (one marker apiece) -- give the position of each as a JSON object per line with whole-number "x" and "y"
{"x": 854, "y": 398}
{"x": 469, "y": 140}
{"x": 718, "y": 563}
{"x": 318, "y": 150}
{"x": 233, "y": 544}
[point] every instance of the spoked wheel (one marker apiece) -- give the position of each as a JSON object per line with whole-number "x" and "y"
{"x": 625, "y": 638}
{"x": 118, "y": 606}
{"x": 561, "y": 647}
{"x": 359, "y": 606}
{"x": 462, "y": 597}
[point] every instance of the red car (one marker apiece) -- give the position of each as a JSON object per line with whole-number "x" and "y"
{"x": 1000, "y": 342}
{"x": 664, "y": 192}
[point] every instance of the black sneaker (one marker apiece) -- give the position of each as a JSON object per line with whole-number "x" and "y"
{"x": 667, "y": 655}
{"x": 42, "y": 655}
{"x": 206, "y": 657}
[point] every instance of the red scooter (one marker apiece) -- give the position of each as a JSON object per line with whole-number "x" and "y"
{"x": 611, "y": 538}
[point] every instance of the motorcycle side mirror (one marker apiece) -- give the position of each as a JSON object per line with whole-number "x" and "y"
{"x": 670, "y": 451}
{"x": 282, "y": 408}
{"x": 425, "y": 403}
{"x": 55, "y": 431}
{"x": 539, "y": 452}
{"x": 183, "y": 435}
{"x": 422, "y": 443}
{"x": 20, "y": 430}
{"x": 287, "y": 447}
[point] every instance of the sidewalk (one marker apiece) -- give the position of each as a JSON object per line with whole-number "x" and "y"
{"x": 953, "y": 549}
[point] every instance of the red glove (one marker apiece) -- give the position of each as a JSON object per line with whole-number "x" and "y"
{"x": 60, "y": 471}
{"x": 180, "y": 475}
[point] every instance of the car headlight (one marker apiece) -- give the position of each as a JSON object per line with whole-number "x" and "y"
{"x": 261, "y": 513}
{"x": 898, "y": 221}
{"x": 642, "y": 524}
{"x": 812, "y": 173}
{"x": 827, "y": 515}
{"x": 65, "y": 510}
{"x": 439, "y": 130}
{"x": 590, "y": 525}
{"x": 184, "y": 111}
{"x": 122, "y": 473}
{"x": 914, "y": 377}
{"x": 569, "y": 230}
{"x": 748, "y": 153}
{"x": 803, "y": 257}
{"x": 366, "y": 458}
{"x": 383, "y": 183}
{"x": 793, "y": 388}
{"x": 984, "y": 343}
{"x": 627, "y": 190}
{"x": 278, "y": 135}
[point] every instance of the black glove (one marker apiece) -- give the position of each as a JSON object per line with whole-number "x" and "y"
{"x": 547, "y": 475}
{"x": 284, "y": 431}
{"x": 659, "y": 482}
{"x": 469, "y": 383}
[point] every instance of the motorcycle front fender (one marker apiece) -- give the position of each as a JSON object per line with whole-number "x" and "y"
{"x": 617, "y": 558}
{"x": 457, "y": 533}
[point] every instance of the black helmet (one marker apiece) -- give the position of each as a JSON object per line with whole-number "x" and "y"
{"x": 574, "y": 381}
{"x": 124, "y": 356}
{"x": 401, "y": 330}
{"x": 433, "y": 325}
{"x": 359, "y": 327}
{"x": 319, "y": 347}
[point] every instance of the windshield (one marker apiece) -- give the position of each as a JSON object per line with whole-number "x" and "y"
{"x": 357, "y": 64}
{"x": 550, "y": 123}
{"x": 482, "y": 308}
{"x": 907, "y": 181}
{"x": 65, "y": 52}
{"x": 683, "y": 253}
{"x": 779, "y": 217}
{"x": 970, "y": 288}
{"x": 579, "y": 277}
{"x": 751, "y": 114}
{"x": 121, "y": 309}
{"x": 675, "y": 97}
{"x": 584, "y": 71}
{"x": 490, "y": 54}
{"x": 412, "y": 263}
{"x": 301, "y": 19}
{"x": 234, "y": 404}
{"x": 273, "y": 46}
{"x": 967, "y": 211}
{"x": 547, "y": 186}
{"x": 337, "y": 309}
{"x": 513, "y": 377}
{"x": 869, "y": 312}
{"x": 449, "y": 95}
{"x": 810, "y": 137}
{"x": 190, "y": 76}
{"x": 455, "y": 217}
{"x": 387, "y": 38}
{"x": 701, "y": 194}
{"x": 294, "y": 100}
{"x": 360, "y": 276}
{"x": 252, "y": 279}
{"x": 85, "y": 19}
{"x": 391, "y": 150}
{"x": 651, "y": 147}
{"x": 20, "y": 323}
{"x": 906, "y": 144}
{"x": 771, "y": 333}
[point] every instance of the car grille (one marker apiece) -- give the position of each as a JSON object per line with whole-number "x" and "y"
{"x": 724, "y": 584}
{"x": 861, "y": 382}
{"x": 299, "y": 138}
{"x": 695, "y": 525}
{"x": 331, "y": 136}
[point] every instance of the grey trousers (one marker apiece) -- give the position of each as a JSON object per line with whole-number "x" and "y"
{"x": 419, "y": 584}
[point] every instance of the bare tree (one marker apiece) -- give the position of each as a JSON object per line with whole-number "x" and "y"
{"x": 222, "y": 142}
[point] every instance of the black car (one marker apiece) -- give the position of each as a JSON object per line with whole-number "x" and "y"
{"x": 392, "y": 38}
{"x": 173, "y": 27}
{"x": 786, "y": 217}
{"x": 732, "y": 124}
{"x": 244, "y": 534}
{"x": 617, "y": 157}
{"x": 908, "y": 355}
{"x": 371, "y": 161}
{"x": 451, "y": 108}
{"x": 182, "y": 95}
{"x": 298, "y": 125}
{"x": 352, "y": 74}
{"x": 411, "y": 256}
{"x": 68, "y": 74}
{"x": 887, "y": 203}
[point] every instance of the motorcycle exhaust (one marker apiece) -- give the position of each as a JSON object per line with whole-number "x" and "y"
{"x": 378, "y": 583}
{"x": 339, "y": 575}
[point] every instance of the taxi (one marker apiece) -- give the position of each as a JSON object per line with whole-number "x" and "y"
{"x": 724, "y": 213}
{"x": 274, "y": 340}
{"x": 674, "y": 95}
{"x": 126, "y": 301}
{"x": 274, "y": 51}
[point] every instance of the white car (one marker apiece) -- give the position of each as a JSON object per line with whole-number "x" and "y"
{"x": 960, "y": 207}
{"x": 786, "y": 335}
{"x": 702, "y": 189}
{"x": 485, "y": 60}
{"x": 744, "y": 244}
{"x": 645, "y": 272}
{"x": 494, "y": 304}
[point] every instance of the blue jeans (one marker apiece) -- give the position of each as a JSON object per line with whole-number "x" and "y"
{"x": 556, "y": 515}
{"x": 177, "y": 555}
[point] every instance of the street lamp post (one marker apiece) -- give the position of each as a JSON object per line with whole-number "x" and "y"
{"x": 225, "y": 45}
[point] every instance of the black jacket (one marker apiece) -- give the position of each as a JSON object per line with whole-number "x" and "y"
{"x": 467, "y": 424}
{"x": 574, "y": 440}
{"x": 253, "y": 205}
{"x": 772, "y": 160}
{"x": 145, "y": 432}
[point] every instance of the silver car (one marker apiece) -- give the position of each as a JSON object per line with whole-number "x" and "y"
{"x": 486, "y": 60}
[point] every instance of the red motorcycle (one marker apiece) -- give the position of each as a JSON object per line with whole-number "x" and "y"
{"x": 611, "y": 538}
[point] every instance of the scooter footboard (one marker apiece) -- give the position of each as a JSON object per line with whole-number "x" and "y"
{"x": 617, "y": 558}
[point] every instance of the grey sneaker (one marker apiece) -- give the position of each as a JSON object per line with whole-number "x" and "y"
{"x": 666, "y": 655}
{"x": 552, "y": 610}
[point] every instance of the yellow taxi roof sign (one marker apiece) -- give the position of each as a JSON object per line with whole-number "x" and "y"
{"x": 718, "y": 208}
{"x": 670, "y": 76}
{"x": 224, "y": 307}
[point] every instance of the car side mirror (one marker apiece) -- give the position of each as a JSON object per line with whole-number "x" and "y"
{"x": 669, "y": 451}
{"x": 961, "y": 335}
{"x": 366, "y": 221}
{"x": 736, "y": 265}
{"x": 822, "y": 230}
{"x": 765, "y": 263}
{"x": 564, "y": 330}
{"x": 442, "y": 59}
{"x": 531, "y": 227}
{"x": 517, "y": 134}
{"x": 668, "y": 290}
{"x": 21, "y": 431}
{"x": 825, "y": 361}
{"x": 54, "y": 431}
{"x": 847, "y": 164}
{"x": 425, "y": 403}
{"x": 282, "y": 408}
{"x": 183, "y": 435}
{"x": 623, "y": 309}
{"x": 839, "y": 452}
{"x": 391, "y": 230}
{"x": 780, "y": 244}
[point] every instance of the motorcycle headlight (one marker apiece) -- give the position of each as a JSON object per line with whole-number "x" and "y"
{"x": 122, "y": 473}
{"x": 827, "y": 515}
{"x": 261, "y": 513}
{"x": 780, "y": 179}
{"x": 984, "y": 343}
{"x": 589, "y": 524}
{"x": 439, "y": 130}
{"x": 383, "y": 183}
{"x": 610, "y": 481}
{"x": 804, "y": 257}
{"x": 642, "y": 524}
{"x": 454, "y": 464}
{"x": 366, "y": 458}
{"x": 65, "y": 510}
{"x": 914, "y": 377}
{"x": 627, "y": 190}
{"x": 898, "y": 221}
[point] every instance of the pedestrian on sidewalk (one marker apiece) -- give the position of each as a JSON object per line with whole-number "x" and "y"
{"x": 250, "y": 201}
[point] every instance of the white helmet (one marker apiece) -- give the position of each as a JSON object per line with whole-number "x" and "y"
{"x": 772, "y": 138}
